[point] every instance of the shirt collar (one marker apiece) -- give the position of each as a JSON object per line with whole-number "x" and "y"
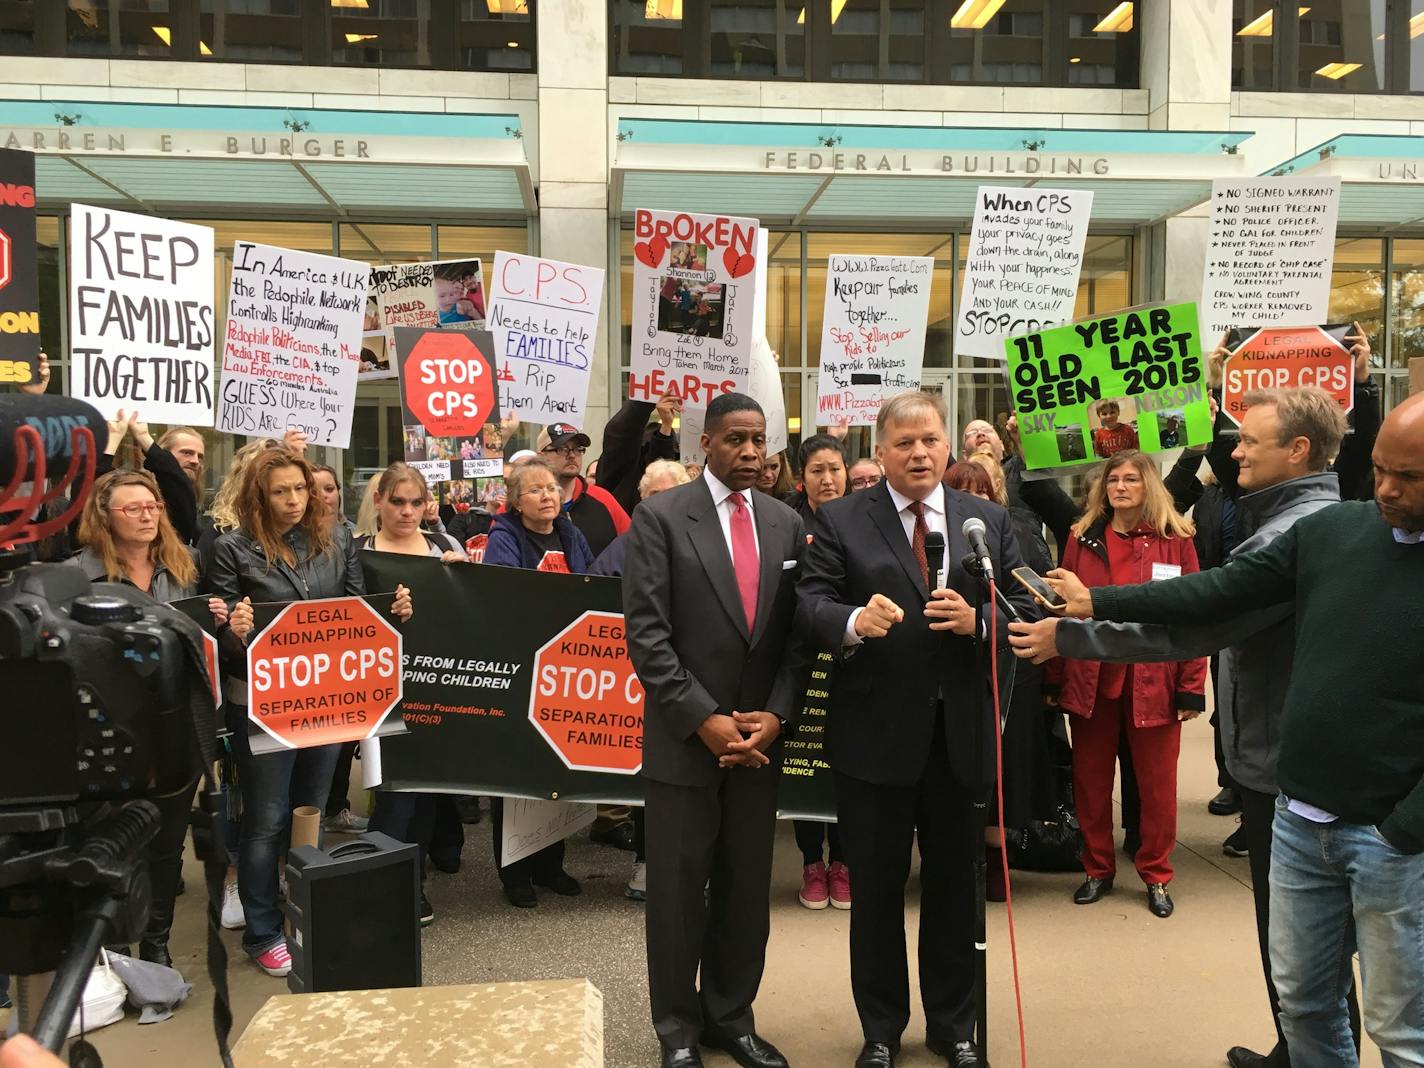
{"x": 934, "y": 501}
{"x": 720, "y": 492}
{"x": 1408, "y": 537}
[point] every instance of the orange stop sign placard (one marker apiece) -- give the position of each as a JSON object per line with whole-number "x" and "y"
{"x": 324, "y": 672}
{"x": 1287, "y": 359}
{"x": 586, "y": 699}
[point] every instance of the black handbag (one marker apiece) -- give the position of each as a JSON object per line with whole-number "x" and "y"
{"x": 1046, "y": 845}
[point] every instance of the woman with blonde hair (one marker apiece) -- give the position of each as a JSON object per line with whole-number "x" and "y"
{"x": 1129, "y": 533}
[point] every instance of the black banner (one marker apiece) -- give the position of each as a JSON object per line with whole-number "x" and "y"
{"x": 807, "y": 790}
{"x": 19, "y": 282}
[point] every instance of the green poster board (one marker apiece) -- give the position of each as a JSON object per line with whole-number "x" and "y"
{"x": 1146, "y": 364}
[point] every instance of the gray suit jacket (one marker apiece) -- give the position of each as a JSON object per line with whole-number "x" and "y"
{"x": 687, "y": 631}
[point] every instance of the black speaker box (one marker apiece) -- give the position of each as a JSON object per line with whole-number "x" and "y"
{"x": 354, "y": 915}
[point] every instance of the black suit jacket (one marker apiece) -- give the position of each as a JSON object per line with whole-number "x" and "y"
{"x": 687, "y": 631}
{"x": 882, "y": 707}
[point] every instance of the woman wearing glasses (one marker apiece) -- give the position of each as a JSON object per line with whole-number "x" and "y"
{"x": 535, "y": 535}
{"x": 128, "y": 538}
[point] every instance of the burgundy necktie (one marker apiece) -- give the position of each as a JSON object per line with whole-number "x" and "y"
{"x": 744, "y": 556}
{"x": 917, "y": 543}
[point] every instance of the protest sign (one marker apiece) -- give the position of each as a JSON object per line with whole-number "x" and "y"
{"x": 449, "y": 409}
{"x": 1288, "y": 358}
{"x": 196, "y": 609}
{"x": 1130, "y": 380}
{"x": 1025, "y": 255}
{"x": 692, "y": 305}
{"x": 764, "y": 387}
{"x": 141, "y": 315}
{"x": 19, "y": 282}
{"x": 544, "y": 317}
{"x": 1269, "y": 252}
{"x": 322, "y": 672}
{"x": 292, "y": 346}
{"x": 531, "y": 823}
{"x": 872, "y": 334}
{"x": 376, "y": 350}
{"x": 443, "y": 293}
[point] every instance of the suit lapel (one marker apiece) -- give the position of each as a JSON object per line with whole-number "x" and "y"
{"x": 887, "y": 521}
{"x": 767, "y": 528}
{"x": 711, "y": 546}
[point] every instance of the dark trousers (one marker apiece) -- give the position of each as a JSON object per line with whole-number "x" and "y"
{"x": 1258, "y": 813}
{"x": 878, "y": 827}
{"x": 164, "y": 854}
{"x": 813, "y": 835}
{"x": 717, "y": 838}
{"x": 541, "y": 866}
{"x": 336, "y": 798}
{"x": 447, "y": 834}
{"x": 406, "y": 817}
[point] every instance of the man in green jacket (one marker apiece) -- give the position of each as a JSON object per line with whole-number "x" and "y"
{"x": 1347, "y": 862}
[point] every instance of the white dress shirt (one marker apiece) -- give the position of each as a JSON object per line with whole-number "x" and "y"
{"x": 935, "y": 520}
{"x": 722, "y": 500}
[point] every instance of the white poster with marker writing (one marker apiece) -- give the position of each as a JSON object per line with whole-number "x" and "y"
{"x": 1021, "y": 274}
{"x": 531, "y": 824}
{"x": 292, "y": 347}
{"x": 872, "y": 334}
{"x": 141, "y": 316}
{"x": 544, "y": 317}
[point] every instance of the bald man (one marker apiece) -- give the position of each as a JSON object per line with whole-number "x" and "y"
{"x": 1347, "y": 860}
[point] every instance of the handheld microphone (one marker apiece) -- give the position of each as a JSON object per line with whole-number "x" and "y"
{"x": 973, "y": 531}
{"x": 934, "y": 556}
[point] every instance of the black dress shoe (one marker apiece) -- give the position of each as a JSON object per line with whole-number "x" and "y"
{"x": 1226, "y": 803}
{"x": 876, "y": 1055}
{"x": 959, "y": 1054}
{"x": 1241, "y": 1057}
{"x": 521, "y": 895}
{"x": 620, "y": 836}
{"x": 449, "y": 863}
{"x": 681, "y": 1057}
{"x": 562, "y": 883}
{"x": 1159, "y": 901}
{"x": 750, "y": 1051}
{"x": 1093, "y": 890}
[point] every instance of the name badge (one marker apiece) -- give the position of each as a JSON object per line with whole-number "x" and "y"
{"x": 1165, "y": 571}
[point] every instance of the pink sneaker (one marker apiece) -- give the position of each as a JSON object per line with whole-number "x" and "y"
{"x": 814, "y": 892}
{"x": 276, "y": 960}
{"x": 840, "y": 885}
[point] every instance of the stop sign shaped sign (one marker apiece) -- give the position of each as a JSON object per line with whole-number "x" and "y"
{"x": 1287, "y": 359}
{"x": 448, "y": 381}
{"x": 586, "y": 699}
{"x": 323, "y": 672}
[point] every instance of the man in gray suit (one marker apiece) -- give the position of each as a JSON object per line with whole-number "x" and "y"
{"x": 708, "y": 597}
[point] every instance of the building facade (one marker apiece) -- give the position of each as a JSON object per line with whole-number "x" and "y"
{"x": 397, "y": 130}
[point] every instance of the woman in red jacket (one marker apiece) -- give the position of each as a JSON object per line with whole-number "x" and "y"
{"x": 1129, "y": 533}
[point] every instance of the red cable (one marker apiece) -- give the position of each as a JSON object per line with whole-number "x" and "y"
{"x": 1003, "y": 843}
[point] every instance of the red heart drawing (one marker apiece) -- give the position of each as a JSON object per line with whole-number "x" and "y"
{"x": 650, "y": 253}
{"x": 738, "y": 263}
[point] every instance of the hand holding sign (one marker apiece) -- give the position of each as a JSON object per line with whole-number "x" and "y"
{"x": 240, "y": 620}
{"x": 1359, "y": 346}
{"x": 401, "y": 607}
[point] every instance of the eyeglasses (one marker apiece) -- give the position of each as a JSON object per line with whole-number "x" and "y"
{"x": 568, "y": 450}
{"x": 540, "y": 491}
{"x": 1123, "y": 480}
{"x": 134, "y": 511}
{"x": 865, "y": 482}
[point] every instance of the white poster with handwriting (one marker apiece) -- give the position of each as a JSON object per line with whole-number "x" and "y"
{"x": 530, "y": 824}
{"x": 544, "y": 317}
{"x": 292, "y": 347}
{"x": 1021, "y": 274}
{"x": 872, "y": 334}
{"x": 1269, "y": 253}
{"x": 141, "y": 318}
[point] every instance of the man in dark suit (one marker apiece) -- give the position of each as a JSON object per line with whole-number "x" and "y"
{"x": 709, "y": 599}
{"x": 901, "y": 726}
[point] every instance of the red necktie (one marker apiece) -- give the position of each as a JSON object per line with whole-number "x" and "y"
{"x": 917, "y": 543}
{"x": 744, "y": 556}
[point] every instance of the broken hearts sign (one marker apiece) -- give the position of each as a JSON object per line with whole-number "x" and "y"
{"x": 693, "y": 281}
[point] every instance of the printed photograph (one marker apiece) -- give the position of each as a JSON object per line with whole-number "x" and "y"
{"x": 372, "y": 320}
{"x": 457, "y": 493}
{"x": 1114, "y": 425}
{"x": 693, "y": 309}
{"x": 1071, "y": 446}
{"x": 459, "y": 293}
{"x": 414, "y": 443}
{"x": 442, "y": 448}
{"x": 490, "y": 492}
{"x": 687, "y": 256}
{"x": 493, "y": 436}
{"x": 375, "y": 356}
{"x": 1171, "y": 429}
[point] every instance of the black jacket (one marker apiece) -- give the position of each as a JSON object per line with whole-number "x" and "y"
{"x": 630, "y": 444}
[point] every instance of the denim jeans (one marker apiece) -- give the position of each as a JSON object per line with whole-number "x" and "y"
{"x": 1337, "y": 887}
{"x": 272, "y": 784}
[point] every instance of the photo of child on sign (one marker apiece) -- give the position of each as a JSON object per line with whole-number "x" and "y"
{"x": 1114, "y": 423}
{"x": 689, "y": 299}
{"x": 452, "y": 295}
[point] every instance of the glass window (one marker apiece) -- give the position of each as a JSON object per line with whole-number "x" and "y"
{"x": 998, "y": 42}
{"x": 460, "y": 242}
{"x": 385, "y": 243}
{"x": 855, "y": 40}
{"x": 496, "y": 35}
{"x": 1357, "y": 289}
{"x": 1105, "y": 284}
{"x": 1253, "y": 44}
{"x": 380, "y": 33}
{"x": 51, "y": 319}
{"x": 1102, "y": 43}
{"x": 1407, "y": 303}
{"x": 979, "y": 396}
{"x": 647, "y": 36}
{"x": 1342, "y": 46}
{"x": 1416, "y": 46}
{"x": 17, "y": 27}
{"x": 756, "y": 39}
{"x": 783, "y": 297}
{"x": 254, "y": 31}
{"x": 119, "y": 28}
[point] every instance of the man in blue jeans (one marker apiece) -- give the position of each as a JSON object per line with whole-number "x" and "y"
{"x": 1347, "y": 863}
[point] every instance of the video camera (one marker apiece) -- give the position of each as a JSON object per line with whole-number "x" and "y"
{"x": 107, "y": 706}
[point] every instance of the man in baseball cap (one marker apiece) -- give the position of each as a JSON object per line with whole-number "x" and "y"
{"x": 594, "y": 511}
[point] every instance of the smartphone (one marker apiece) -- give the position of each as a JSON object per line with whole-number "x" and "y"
{"x": 1042, "y": 592}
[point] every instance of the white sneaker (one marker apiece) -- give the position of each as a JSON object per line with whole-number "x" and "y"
{"x": 344, "y": 822}
{"x": 637, "y": 887}
{"x": 233, "y": 918}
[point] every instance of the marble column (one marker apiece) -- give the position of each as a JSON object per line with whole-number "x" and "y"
{"x": 1186, "y": 63}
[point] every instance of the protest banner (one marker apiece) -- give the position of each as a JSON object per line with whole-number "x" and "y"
{"x": 1288, "y": 358}
{"x": 19, "y": 281}
{"x": 292, "y": 346}
{"x": 1269, "y": 252}
{"x": 693, "y": 305}
{"x": 442, "y": 293}
{"x": 376, "y": 350}
{"x": 764, "y": 387}
{"x": 1021, "y": 274}
{"x": 1134, "y": 379}
{"x": 531, "y": 823}
{"x": 807, "y": 787}
{"x": 872, "y": 334}
{"x": 449, "y": 403}
{"x": 323, "y": 672}
{"x": 544, "y": 317}
{"x": 141, "y": 315}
